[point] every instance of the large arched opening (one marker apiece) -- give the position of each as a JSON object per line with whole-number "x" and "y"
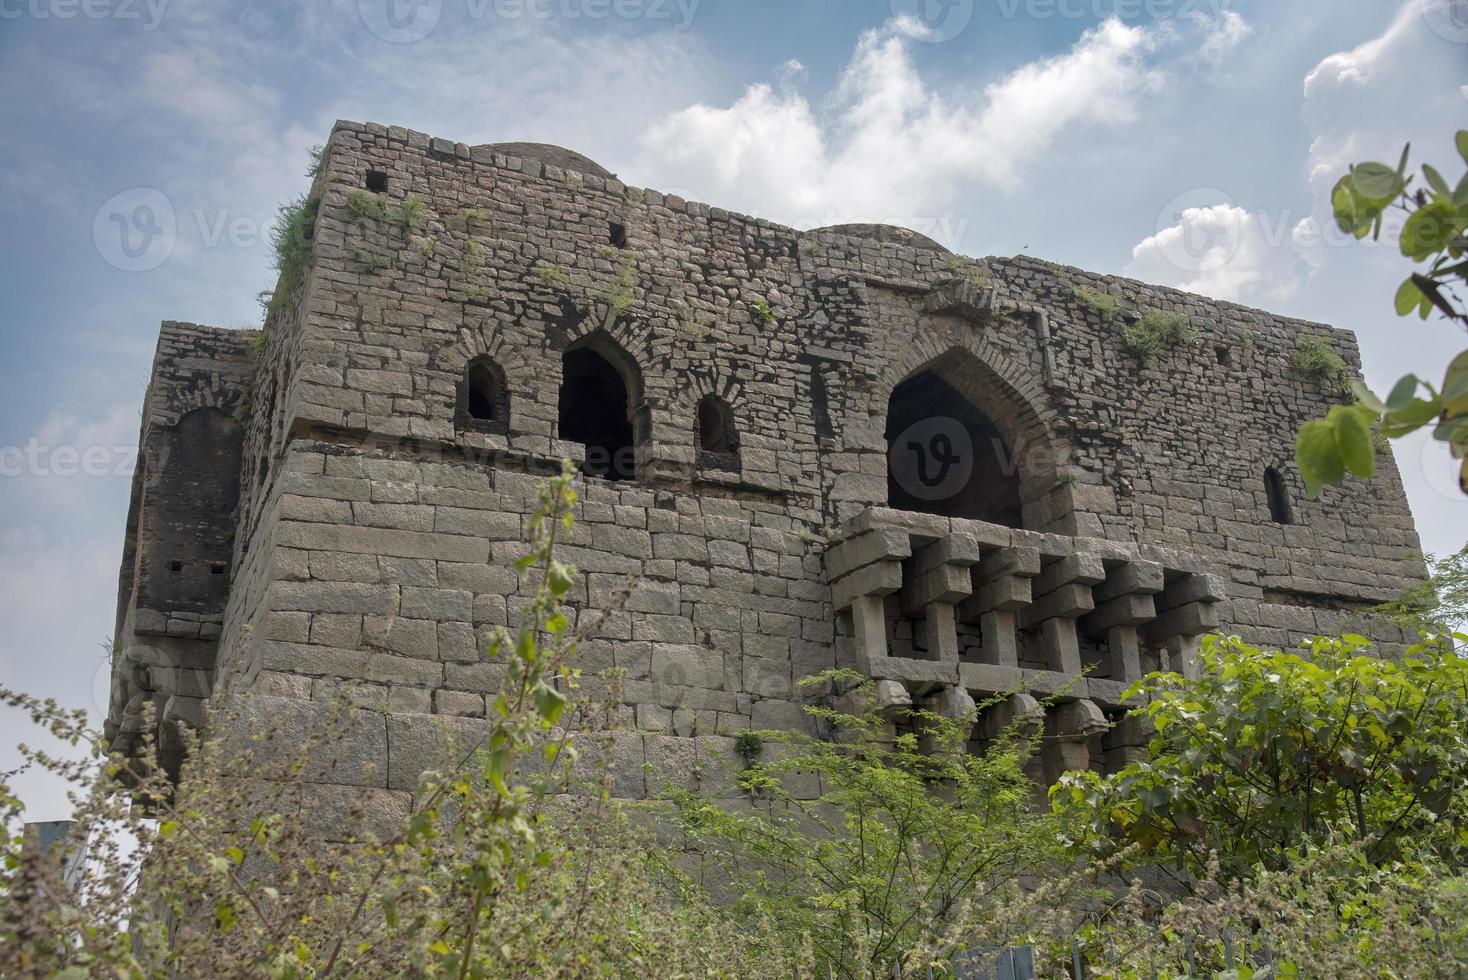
{"x": 601, "y": 397}
{"x": 960, "y": 443}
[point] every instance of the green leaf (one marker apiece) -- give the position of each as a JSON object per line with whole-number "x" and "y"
{"x": 1376, "y": 183}
{"x": 549, "y": 702}
{"x": 560, "y": 577}
{"x": 1318, "y": 456}
{"x": 1367, "y": 397}
{"x": 1455, "y": 385}
{"x": 1429, "y": 229}
{"x": 1402, "y": 392}
{"x": 1410, "y": 298}
{"x": 1435, "y": 181}
{"x": 1353, "y": 214}
{"x": 1353, "y": 435}
{"x": 1454, "y": 431}
{"x": 1462, "y": 140}
{"x": 1414, "y": 416}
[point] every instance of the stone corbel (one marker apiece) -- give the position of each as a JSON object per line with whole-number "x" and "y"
{"x": 1124, "y": 603}
{"x": 1062, "y": 595}
{"x": 1069, "y": 729}
{"x": 1001, "y": 582}
{"x": 1020, "y": 711}
{"x": 939, "y": 577}
{"x": 1187, "y": 609}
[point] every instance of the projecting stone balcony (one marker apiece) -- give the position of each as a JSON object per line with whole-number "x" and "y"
{"x": 940, "y": 610}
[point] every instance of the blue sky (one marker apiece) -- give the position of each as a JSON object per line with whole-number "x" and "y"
{"x": 1188, "y": 142}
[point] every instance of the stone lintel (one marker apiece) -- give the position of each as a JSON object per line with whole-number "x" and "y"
{"x": 879, "y": 544}
{"x": 946, "y": 583}
{"x": 1125, "y": 610}
{"x": 1130, "y": 578}
{"x": 879, "y": 579}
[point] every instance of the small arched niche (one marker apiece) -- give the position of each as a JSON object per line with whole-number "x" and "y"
{"x": 1277, "y": 495}
{"x": 961, "y": 444}
{"x": 484, "y": 398}
{"x": 716, "y": 436}
{"x": 601, "y": 406}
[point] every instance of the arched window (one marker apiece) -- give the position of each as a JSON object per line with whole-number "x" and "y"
{"x": 484, "y": 401}
{"x": 600, "y": 395}
{"x": 1280, "y": 511}
{"x": 947, "y": 457}
{"x": 718, "y": 438}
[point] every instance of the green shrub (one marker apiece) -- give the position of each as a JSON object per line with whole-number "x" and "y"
{"x": 1153, "y": 333}
{"x": 1103, "y": 303}
{"x": 366, "y": 206}
{"x": 1268, "y": 752}
{"x": 876, "y": 864}
{"x": 290, "y": 245}
{"x": 1316, "y": 361}
{"x": 413, "y": 214}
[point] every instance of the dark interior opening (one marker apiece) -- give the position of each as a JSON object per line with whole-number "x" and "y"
{"x": 376, "y": 181}
{"x": 175, "y": 566}
{"x": 484, "y": 398}
{"x": 596, "y": 411}
{"x": 1224, "y": 355}
{"x": 1280, "y": 511}
{"x": 617, "y": 235}
{"x": 481, "y": 393}
{"x": 718, "y": 438}
{"x": 946, "y": 457}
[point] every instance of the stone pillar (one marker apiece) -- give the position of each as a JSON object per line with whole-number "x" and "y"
{"x": 1123, "y": 603}
{"x": 1062, "y": 594}
{"x": 937, "y": 577}
{"x": 947, "y": 702}
{"x": 1001, "y": 587}
{"x": 1187, "y": 608}
{"x": 1020, "y": 710}
{"x": 864, "y": 570}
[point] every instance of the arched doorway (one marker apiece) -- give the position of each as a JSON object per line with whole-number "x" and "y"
{"x": 960, "y": 444}
{"x": 600, "y": 392}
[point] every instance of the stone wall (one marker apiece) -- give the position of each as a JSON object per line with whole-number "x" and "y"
{"x": 378, "y": 523}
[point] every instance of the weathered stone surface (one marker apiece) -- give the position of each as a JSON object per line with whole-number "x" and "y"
{"x": 337, "y": 514}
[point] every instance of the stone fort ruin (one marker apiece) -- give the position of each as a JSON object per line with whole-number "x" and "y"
{"x": 841, "y": 447}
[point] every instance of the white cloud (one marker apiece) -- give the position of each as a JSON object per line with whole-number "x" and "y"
{"x": 890, "y": 144}
{"x": 1222, "y": 35}
{"x": 1369, "y": 102}
{"x": 1220, "y": 250}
